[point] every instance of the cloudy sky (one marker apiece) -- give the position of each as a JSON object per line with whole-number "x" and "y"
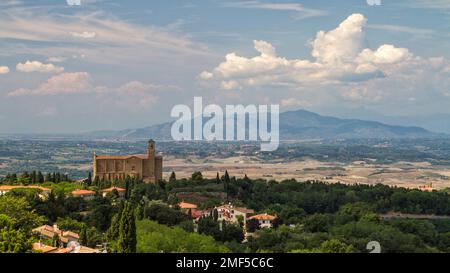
{"x": 110, "y": 64}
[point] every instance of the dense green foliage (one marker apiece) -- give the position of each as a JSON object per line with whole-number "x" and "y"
{"x": 312, "y": 216}
{"x": 156, "y": 238}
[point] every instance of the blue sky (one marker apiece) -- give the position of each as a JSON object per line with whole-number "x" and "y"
{"x": 124, "y": 64}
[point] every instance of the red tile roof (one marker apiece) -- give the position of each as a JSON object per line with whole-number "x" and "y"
{"x": 263, "y": 217}
{"x": 185, "y": 205}
{"x": 82, "y": 192}
{"x": 114, "y": 188}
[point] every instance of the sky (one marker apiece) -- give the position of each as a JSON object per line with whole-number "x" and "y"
{"x": 110, "y": 64}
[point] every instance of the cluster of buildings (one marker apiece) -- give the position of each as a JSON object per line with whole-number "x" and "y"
{"x": 230, "y": 214}
{"x": 90, "y": 195}
{"x": 67, "y": 241}
{"x": 44, "y": 192}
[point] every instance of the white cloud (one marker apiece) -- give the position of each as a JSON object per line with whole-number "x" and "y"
{"x": 4, "y": 70}
{"x": 129, "y": 95}
{"x": 56, "y": 59}
{"x": 36, "y": 66}
{"x": 385, "y": 54}
{"x": 342, "y": 44}
{"x": 341, "y": 60}
{"x": 66, "y": 83}
{"x": 84, "y": 34}
{"x": 40, "y": 32}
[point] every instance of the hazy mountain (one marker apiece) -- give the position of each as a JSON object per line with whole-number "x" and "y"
{"x": 439, "y": 123}
{"x": 299, "y": 125}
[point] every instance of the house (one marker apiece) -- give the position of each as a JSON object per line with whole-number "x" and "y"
{"x": 44, "y": 192}
{"x": 265, "y": 220}
{"x": 51, "y": 231}
{"x": 42, "y": 248}
{"x": 232, "y": 214}
{"x": 121, "y": 191}
{"x": 84, "y": 194}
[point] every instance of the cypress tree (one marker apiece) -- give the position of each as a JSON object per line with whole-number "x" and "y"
{"x": 84, "y": 236}
{"x": 173, "y": 177}
{"x": 40, "y": 178}
{"x": 127, "y": 231}
{"x": 218, "y": 178}
{"x": 227, "y": 183}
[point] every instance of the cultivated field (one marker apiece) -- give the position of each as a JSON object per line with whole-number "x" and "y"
{"x": 402, "y": 174}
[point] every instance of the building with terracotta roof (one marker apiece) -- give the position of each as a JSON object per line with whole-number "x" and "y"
{"x": 4, "y": 189}
{"x": 50, "y": 232}
{"x": 85, "y": 194}
{"x": 42, "y": 248}
{"x": 147, "y": 167}
{"x": 187, "y": 206}
{"x": 232, "y": 214}
{"x": 265, "y": 220}
{"x": 121, "y": 191}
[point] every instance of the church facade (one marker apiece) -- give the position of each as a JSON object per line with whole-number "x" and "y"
{"x": 147, "y": 167}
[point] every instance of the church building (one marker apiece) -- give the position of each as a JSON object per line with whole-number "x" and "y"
{"x": 147, "y": 167}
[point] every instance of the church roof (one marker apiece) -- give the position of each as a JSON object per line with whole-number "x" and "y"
{"x": 122, "y": 157}
{"x": 140, "y": 156}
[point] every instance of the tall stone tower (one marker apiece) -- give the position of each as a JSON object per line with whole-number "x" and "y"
{"x": 151, "y": 156}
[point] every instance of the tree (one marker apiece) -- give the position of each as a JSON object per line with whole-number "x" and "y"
{"x": 173, "y": 177}
{"x": 20, "y": 211}
{"x": 89, "y": 179}
{"x": 232, "y": 232}
{"x": 218, "y": 181}
{"x": 197, "y": 176}
{"x": 207, "y": 226}
{"x": 113, "y": 232}
{"x": 40, "y": 178}
{"x": 335, "y": 246}
{"x": 156, "y": 238}
{"x": 14, "y": 241}
{"x": 84, "y": 236}
{"x": 226, "y": 181}
{"x": 127, "y": 231}
{"x": 252, "y": 225}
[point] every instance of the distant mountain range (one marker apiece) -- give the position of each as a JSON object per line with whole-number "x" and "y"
{"x": 298, "y": 125}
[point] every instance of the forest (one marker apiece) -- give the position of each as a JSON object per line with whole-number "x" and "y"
{"x": 312, "y": 216}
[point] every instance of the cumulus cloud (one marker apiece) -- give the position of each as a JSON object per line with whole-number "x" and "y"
{"x": 4, "y": 70}
{"x": 132, "y": 94}
{"x": 340, "y": 55}
{"x": 36, "y": 66}
{"x": 65, "y": 83}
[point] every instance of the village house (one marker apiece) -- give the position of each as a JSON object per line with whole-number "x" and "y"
{"x": 233, "y": 214}
{"x": 44, "y": 192}
{"x": 265, "y": 220}
{"x": 42, "y": 248}
{"x": 50, "y": 232}
{"x": 121, "y": 191}
{"x": 84, "y": 194}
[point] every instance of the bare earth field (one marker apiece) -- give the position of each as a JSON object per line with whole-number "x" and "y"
{"x": 402, "y": 174}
